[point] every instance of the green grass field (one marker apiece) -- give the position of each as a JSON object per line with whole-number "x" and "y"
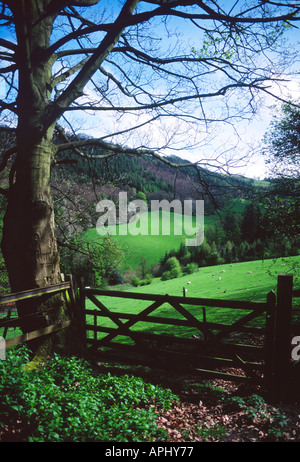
{"x": 249, "y": 281}
{"x": 146, "y": 244}
{"x": 152, "y": 247}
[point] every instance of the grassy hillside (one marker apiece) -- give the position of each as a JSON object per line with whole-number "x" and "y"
{"x": 151, "y": 247}
{"x": 249, "y": 281}
{"x": 242, "y": 281}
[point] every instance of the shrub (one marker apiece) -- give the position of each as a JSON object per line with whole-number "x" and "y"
{"x": 147, "y": 280}
{"x": 190, "y": 268}
{"x": 172, "y": 269}
{"x": 135, "y": 281}
{"x": 67, "y": 400}
{"x": 168, "y": 275}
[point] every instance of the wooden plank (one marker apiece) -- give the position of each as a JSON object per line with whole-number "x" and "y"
{"x": 197, "y": 360}
{"x": 236, "y": 325}
{"x": 248, "y": 367}
{"x": 270, "y": 338}
{"x": 176, "y": 322}
{"x": 95, "y": 325}
{"x": 234, "y": 304}
{"x": 150, "y": 319}
{"x": 15, "y": 322}
{"x": 34, "y": 293}
{"x": 80, "y": 316}
{"x": 283, "y": 336}
{"x": 124, "y": 327}
{"x": 69, "y": 279}
{"x": 120, "y": 294}
{"x": 37, "y": 333}
{"x": 202, "y": 327}
{"x": 6, "y": 327}
{"x": 160, "y": 339}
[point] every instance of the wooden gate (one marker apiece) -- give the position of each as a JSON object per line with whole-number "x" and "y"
{"x": 240, "y": 350}
{"x": 210, "y": 348}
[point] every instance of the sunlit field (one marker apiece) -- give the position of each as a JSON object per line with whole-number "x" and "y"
{"x": 247, "y": 281}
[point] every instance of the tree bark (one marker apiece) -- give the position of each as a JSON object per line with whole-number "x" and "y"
{"x": 29, "y": 244}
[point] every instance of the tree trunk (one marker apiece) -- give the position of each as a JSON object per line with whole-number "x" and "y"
{"x": 29, "y": 245}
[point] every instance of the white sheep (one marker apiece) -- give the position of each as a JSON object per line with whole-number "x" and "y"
{"x": 220, "y": 279}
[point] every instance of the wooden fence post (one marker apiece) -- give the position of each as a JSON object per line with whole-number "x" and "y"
{"x": 78, "y": 316}
{"x": 71, "y": 291}
{"x": 283, "y": 334}
{"x": 270, "y": 341}
{"x": 82, "y": 313}
{"x": 95, "y": 326}
{"x": 78, "y": 335}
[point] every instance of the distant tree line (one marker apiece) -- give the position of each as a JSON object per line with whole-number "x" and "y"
{"x": 242, "y": 237}
{"x": 148, "y": 175}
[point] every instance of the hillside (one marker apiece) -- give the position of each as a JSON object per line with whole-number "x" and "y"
{"x": 155, "y": 179}
{"x": 92, "y": 180}
{"x": 250, "y": 280}
{"x": 146, "y": 246}
{"x": 235, "y": 225}
{"x": 236, "y": 228}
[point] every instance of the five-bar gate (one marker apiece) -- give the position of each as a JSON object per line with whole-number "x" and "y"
{"x": 241, "y": 350}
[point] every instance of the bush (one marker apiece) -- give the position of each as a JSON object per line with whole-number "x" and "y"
{"x": 147, "y": 280}
{"x": 135, "y": 281}
{"x": 168, "y": 275}
{"x": 172, "y": 269}
{"x": 66, "y": 400}
{"x": 190, "y": 268}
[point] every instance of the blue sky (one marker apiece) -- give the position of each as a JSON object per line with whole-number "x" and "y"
{"x": 221, "y": 143}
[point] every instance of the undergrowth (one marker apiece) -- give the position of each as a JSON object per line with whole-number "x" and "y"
{"x": 65, "y": 399}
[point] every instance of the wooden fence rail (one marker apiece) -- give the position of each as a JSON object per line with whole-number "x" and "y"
{"x": 10, "y": 299}
{"x": 38, "y": 292}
